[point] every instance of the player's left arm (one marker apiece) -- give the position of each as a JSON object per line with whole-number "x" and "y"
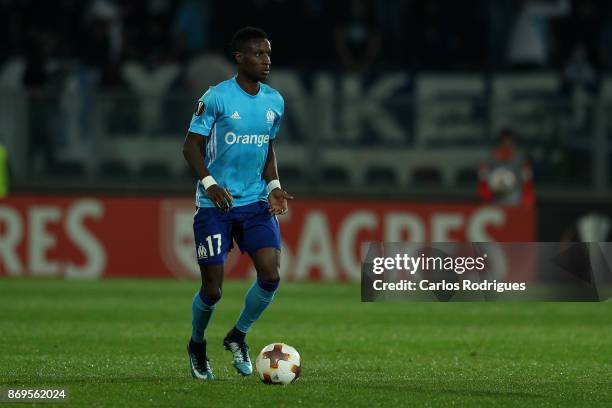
{"x": 278, "y": 197}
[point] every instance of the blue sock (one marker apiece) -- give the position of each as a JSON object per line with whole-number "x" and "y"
{"x": 258, "y": 298}
{"x": 201, "y": 311}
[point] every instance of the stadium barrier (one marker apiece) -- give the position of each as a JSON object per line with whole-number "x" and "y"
{"x": 103, "y": 237}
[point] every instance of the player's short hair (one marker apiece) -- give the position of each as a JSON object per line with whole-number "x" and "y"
{"x": 245, "y": 34}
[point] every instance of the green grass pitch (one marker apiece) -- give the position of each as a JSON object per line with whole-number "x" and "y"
{"x": 119, "y": 343}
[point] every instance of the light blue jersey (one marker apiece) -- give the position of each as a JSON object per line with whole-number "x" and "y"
{"x": 238, "y": 128}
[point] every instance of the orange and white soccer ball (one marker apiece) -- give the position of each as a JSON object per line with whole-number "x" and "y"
{"x": 278, "y": 363}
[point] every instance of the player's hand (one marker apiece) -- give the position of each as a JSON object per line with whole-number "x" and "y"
{"x": 278, "y": 201}
{"x": 220, "y": 197}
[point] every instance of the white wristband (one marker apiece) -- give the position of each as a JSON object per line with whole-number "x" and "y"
{"x": 208, "y": 181}
{"x": 274, "y": 184}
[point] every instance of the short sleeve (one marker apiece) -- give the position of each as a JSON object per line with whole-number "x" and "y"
{"x": 277, "y": 119}
{"x": 205, "y": 114}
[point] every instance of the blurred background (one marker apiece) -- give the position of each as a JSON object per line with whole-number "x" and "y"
{"x": 100, "y": 93}
{"x": 401, "y": 99}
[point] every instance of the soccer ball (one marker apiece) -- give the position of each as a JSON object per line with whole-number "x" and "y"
{"x": 502, "y": 180}
{"x": 278, "y": 363}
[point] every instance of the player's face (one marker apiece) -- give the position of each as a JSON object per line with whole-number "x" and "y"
{"x": 255, "y": 59}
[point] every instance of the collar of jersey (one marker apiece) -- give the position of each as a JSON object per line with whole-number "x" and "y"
{"x": 245, "y": 92}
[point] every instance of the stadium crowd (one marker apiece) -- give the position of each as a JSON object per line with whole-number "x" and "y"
{"x": 147, "y": 54}
{"x": 414, "y": 34}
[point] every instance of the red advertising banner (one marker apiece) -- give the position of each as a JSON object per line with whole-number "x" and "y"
{"x": 95, "y": 237}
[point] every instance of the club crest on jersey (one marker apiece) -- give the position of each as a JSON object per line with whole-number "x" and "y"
{"x": 270, "y": 115}
{"x": 200, "y": 108}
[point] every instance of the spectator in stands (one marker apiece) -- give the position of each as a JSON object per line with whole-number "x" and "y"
{"x": 506, "y": 177}
{"x": 191, "y": 26}
{"x": 101, "y": 44}
{"x": 529, "y": 43}
{"x": 578, "y": 71}
{"x": 605, "y": 46}
{"x": 429, "y": 35}
{"x": 357, "y": 38}
{"x": 313, "y": 13}
{"x": 99, "y": 48}
{"x": 581, "y": 31}
{"x": 152, "y": 75}
{"x": 36, "y": 79}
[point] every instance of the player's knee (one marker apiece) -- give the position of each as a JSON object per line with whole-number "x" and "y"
{"x": 274, "y": 277}
{"x": 212, "y": 294}
{"x": 270, "y": 274}
{"x": 270, "y": 282}
{"x": 268, "y": 267}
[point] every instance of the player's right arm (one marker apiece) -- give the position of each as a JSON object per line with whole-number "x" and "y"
{"x": 192, "y": 151}
{"x": 200, "y": 128}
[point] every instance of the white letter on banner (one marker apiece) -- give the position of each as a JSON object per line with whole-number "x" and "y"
{"x": 346, "y": 241}
{"x": 93, "y": 250}
{"x": 39, "y": 239}
{"x": 360, "y": 106}
{"x": 9, "y": 240}
{"x": 315, "y": 248}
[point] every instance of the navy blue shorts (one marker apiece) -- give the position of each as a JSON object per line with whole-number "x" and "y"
{"x": 251, "y": 226}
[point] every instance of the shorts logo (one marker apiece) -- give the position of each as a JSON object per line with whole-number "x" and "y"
{"x": 270, "y": 116}
{"x": 202, "y": 254}
{"x": 200, "y": 108}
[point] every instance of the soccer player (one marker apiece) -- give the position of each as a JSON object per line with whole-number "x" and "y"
{"x": 230, "y": 144}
